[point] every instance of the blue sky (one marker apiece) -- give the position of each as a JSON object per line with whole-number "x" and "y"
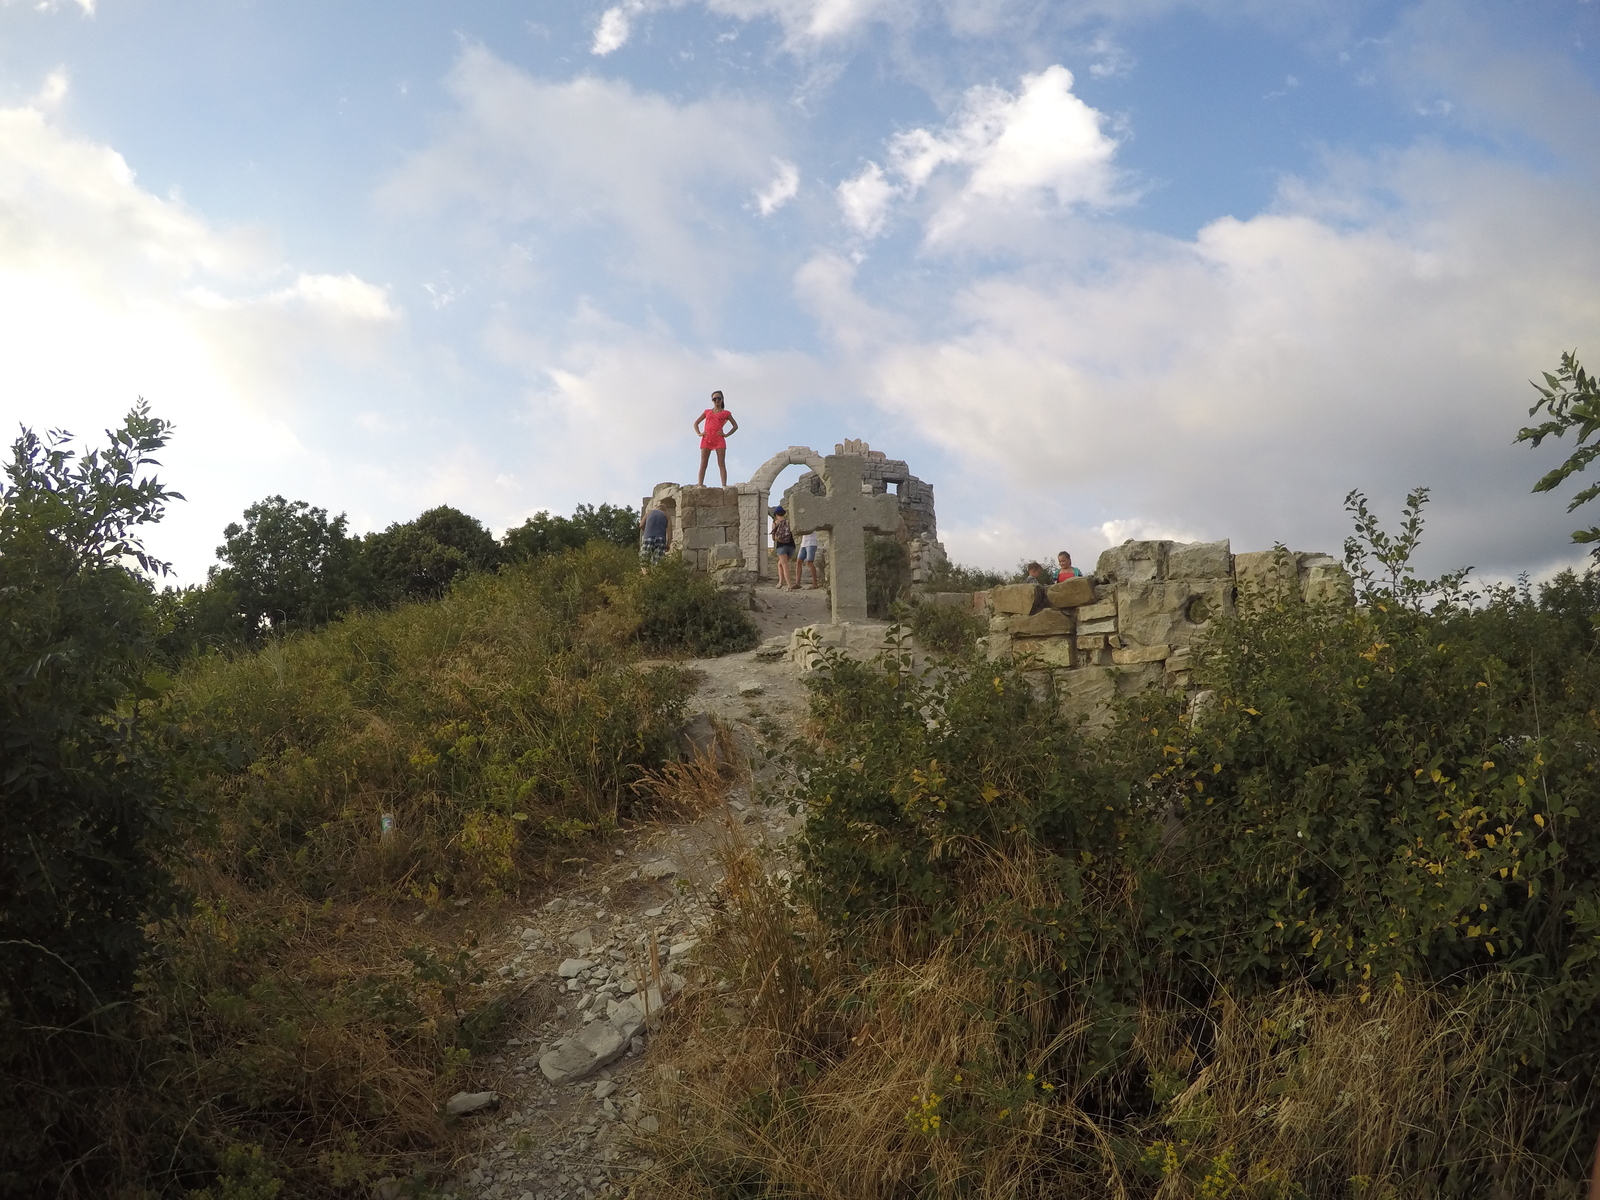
{"x": 1098, "y": 270}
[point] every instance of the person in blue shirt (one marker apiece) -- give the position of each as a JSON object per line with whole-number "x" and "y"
{"x": 652, "y": 537}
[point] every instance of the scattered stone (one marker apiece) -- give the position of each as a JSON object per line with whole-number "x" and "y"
{"x": 581, "y": 939}
{"x": 660, "y": 868}
{"x": 572, "y": 967}
{"x": 681, "y": 948}
{"x": 556, "y": 905}
{"x": 751, "y": 688}
{"x": 774, "y": 649}
{"x": 465, "y": 1103}
{"x": 597, "y": 1045}
{"x": 604, "y": 1088}
{"x": 655, "y": 912}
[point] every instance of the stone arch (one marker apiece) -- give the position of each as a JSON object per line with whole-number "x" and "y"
{"x": 801, "y": 455}
{"x": 753, "y": 497}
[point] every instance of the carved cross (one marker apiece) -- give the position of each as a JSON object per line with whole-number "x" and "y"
{"x": 847, "y": 514}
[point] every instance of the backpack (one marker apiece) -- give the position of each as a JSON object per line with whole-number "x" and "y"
{"x": 780, "y": 532}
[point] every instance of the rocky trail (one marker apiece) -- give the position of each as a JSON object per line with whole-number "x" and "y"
{"x": 564, "y": 1095}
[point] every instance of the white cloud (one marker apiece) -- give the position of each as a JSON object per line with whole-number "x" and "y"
{"x": 108, "y": 292}
{"x": 615, "y": 25}
{"x": 645, "y": 180}
{"x": 864, "y": 201}
{"x": 1375, "y": 331}
{"x": 339, "y": 295}
{"x": 1014, "y": 150}
{"x": 785, "y": 186}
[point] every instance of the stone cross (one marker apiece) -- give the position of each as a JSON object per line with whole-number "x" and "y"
{"x": 847, "y": 514}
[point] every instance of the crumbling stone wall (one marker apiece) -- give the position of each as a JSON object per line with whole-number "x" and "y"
{"x": 1131, "y": 624}
{"x": 725, "y": 529}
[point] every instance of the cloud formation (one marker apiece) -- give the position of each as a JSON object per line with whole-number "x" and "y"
{"x": 639, "y": 178}
{"x": 1007, "y": 151}
{"x": 108, "y": 292}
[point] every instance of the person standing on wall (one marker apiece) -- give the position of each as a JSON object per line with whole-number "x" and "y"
{"x": 714, "y": 437}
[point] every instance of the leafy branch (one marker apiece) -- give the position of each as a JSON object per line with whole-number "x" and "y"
{"x": 1571, "y": 397}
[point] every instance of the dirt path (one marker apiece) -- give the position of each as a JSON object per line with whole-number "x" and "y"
{"x": 614, "y": 942}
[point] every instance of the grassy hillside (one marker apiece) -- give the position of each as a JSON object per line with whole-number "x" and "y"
{"x": 1333, "y": 934}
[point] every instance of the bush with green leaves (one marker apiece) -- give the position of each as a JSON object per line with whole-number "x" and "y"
{"x": 680, "y": 612}
{"x": 946, "y": 628}
{"x": 420, "y": 559}
{"x": 1391, "y": 800}
{"x": 888, "y": 574}
{"x": 86, "y": 786}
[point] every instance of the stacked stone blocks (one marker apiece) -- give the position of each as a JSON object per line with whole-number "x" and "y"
{"x": 1131, "y": 625}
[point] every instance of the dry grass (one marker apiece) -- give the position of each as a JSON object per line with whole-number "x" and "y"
{"x": 886, "y": 1070}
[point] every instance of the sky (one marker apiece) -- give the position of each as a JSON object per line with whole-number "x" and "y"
{"x": 1097, "y": 269}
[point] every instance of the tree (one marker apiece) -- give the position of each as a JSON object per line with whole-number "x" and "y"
{"x": 1572, "y": 398}
{"x": 288, "y": 565}
{"x": 85, "y": 798}
{"x": 544, "y": 533}
{"x": 419, "y": 559}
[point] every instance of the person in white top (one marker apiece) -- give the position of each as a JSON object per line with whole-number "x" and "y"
{"x": 808, "y": 554}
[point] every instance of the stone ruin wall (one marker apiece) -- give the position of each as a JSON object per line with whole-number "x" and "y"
{"x": 723, "y": 530}
{"x": 1131, "y": 624}
{"x": 919, "y": 524}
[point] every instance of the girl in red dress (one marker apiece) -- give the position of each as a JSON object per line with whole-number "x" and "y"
{"x": 715, "y": 437}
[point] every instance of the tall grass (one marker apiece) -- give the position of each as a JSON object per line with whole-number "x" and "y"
{"x": 1324, "y": 943}
{"x": 363, "y": 800}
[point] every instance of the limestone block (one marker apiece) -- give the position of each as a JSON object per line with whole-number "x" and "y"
{"x": 1098, "y": 610}
{"x": 727, "y": 554}
{"x": 726, "y": 515}
{"x": 996, "y": 646}
{"x": 688, "y": 518}
{"x": 1070, "y": 593}
{"x": 1019, "y": 598}
{"x": 1323, "y": 580}
{"x": 1132, "y": 656}
{"x": 1170, "y": 613}
{"x": 980, "y": 602}
{"x": 1087, "y": 691}
{"x": 1091, "y": 641}
{"x": 1049, "y": 622}
{"x": 1045, "y": 652}
{"x": 1264, "y": 573}
{"x": 1102, "y": 626}
{"x": 1133, "y": 562}
{"x": 1134, "y": 678}
{"x": 1199, "y": 560}
{"x": 703, "y": 537}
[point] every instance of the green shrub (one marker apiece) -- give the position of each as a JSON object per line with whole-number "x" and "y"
{"x": 86, "y": 794}
{"x": 1358, "y": 884}
{"x": 946, "y": 628}
{"x": 953, "y": 577}
{"x": 679, "y": 612}
{"x": 888, "y": 574}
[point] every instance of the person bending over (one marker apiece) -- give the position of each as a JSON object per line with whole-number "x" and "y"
{"x": 713, "y": 436}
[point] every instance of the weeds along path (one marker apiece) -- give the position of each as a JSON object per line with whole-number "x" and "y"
{"x": 593, "y": 964}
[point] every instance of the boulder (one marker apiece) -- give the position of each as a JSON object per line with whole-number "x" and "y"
{"x": 1020, "y": 599}
{"x": 1170, "y": 613}
{"x": 1070, "y": 593}
{"x": 597, "y": 1045}
{"x": 1264, "y": 573}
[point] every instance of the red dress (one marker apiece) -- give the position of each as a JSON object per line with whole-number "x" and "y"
{"x": 716, "y": 418}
